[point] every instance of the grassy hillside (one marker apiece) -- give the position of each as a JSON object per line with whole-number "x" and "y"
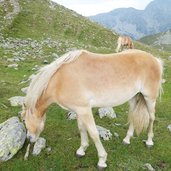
{"x": 33, "y": 38}
{"x": 42, "y": 19}
{"x": 161, "y": 40}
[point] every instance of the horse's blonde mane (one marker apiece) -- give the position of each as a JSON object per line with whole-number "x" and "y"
{"x": 40, "y": 82}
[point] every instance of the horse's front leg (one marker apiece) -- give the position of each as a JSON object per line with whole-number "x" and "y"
{"x": 84, "y": 138}
{"x": 86, "y": 117}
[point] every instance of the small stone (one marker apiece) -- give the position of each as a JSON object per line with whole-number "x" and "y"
{"x": 149, "y": 167}
{"x": 117, "y": 124}
{"x": 38, "y": 146}
{"x": 13, "y": 66}
{"x": 169, "y": 127}
{"x": 104, "y": 133}
{"x": 169, "y": 58}
{"x": 17, "y": 100}
{"x": 71, "y": 115}
{"x": 45, "y": 62}
{"x": 48, "y": 149}
{"x": 106, "y": 111}
{"x": 163, "y": 81}
{"x": 24, "y": 90}
{"x": 116, "y": 134}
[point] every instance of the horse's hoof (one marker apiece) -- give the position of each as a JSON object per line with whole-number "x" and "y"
{"x": 79, "y": 155}
{"x": 125, "y": 142}
{"x": 147, "y": 144}
{"x": 101, "y": 168}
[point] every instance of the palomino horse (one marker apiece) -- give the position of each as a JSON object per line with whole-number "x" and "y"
{"x": 124, "y": 42}
{"x": 80, "y": 80}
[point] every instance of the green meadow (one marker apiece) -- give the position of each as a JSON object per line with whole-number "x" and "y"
{"x": 72, "y": 31}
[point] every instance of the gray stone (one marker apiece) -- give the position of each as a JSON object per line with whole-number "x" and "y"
{"x": 116, "y": 134}
{"x": 71, "y": 115}
{"x": 16, "y": 101}
{"x": 104, "y": 133}
{"x": 38, "y": 146}
{"x": 12, "y": 65}
{"x": 149, "y": 167}
{"x": 106, "y": 111}
{"x": 12, "y": 138}
{"x": 169, "y": 127}
{"x": 45, "y": 61}
{"x": 24, "y": 90}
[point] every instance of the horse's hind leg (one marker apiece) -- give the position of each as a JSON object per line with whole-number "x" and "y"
{"x": 85, "y": 116}
{"x": 130, "y": 132}
{"x": 84, "y": 138}
{"x": 151, "y": 109}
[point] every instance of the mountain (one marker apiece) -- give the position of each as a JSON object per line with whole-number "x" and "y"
{"x": 155, "y": 18}
{"x": 160, "y": 40}
{"x": 42, "y": 19}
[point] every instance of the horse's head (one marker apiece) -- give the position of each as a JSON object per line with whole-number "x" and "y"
{"x": 34, "y": 122}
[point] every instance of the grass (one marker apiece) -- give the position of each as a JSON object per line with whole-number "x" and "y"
{"x": 62, "y": 135}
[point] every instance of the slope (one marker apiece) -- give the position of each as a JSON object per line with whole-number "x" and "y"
{"x": 42, "y": 19}
{"x": 160, "y": 40}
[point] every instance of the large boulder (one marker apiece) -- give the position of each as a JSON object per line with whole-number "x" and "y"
{"x": 12, "y": 138}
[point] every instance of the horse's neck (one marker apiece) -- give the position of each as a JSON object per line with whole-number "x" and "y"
{"x": 42, "y": 104}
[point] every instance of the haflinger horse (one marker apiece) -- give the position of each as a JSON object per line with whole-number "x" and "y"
{"x": 80, "y": 80}
{"x": 124, "y": 42}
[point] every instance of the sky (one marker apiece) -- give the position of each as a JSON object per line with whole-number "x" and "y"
{"x": 93, "y": 7}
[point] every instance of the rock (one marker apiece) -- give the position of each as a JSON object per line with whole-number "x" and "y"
{"x": 169, "y": 58}
{"x": 13, "y": 65}
{"x": 117, "y": 124}
{"x": 38, "y": 146}
{"x": 71, "y": 116}
{"x": 106, "y": 111}
{"x": 163, "y": 81}
{"x": 12, "y": 138}
{"x": 104, "y": 133}
{"x": 24, "y": 90}
{"x": 17, "y": 100}
{"x": 35, "y": 68}
{"x": 55, "y": 55}
{"x": 149, "y": 167}
{"x": 169, "y": 127}
{"x": 45, "y": 61}
{"x": 48, "y": 150}
{"x": 116, "y": 134}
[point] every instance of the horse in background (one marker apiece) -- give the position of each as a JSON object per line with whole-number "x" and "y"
{"x": 124, "y": 42}
{"x": 81, "y": 80}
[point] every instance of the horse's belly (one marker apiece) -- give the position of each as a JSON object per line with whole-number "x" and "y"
{"x": 112, "y": 98}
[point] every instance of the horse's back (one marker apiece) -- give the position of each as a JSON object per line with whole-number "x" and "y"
{"x": 100, "y": 78}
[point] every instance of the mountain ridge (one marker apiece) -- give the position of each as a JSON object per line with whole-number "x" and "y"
{"x": 155, "y": 18}
{"x": 160, "y": 40}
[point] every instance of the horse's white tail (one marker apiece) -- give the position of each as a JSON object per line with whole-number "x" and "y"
{"x": 139, "y": 115}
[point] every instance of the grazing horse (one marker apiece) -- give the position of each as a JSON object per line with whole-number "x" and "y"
{"x": 124, "y": 42}
{"x": 80, "y": 80}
